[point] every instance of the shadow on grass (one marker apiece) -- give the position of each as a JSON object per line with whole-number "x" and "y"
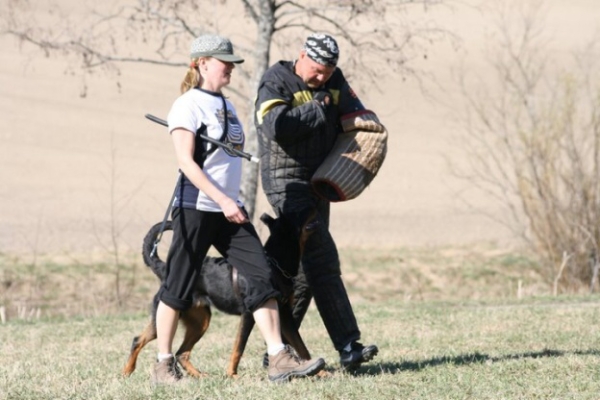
{"x": 474, "y": 358}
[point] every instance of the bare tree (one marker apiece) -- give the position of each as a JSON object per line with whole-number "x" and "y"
{"x": 533, "y": 142}
{"x": 377, "y": 37}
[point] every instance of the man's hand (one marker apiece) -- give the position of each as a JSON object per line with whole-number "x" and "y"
{"x": 323, "y": 97}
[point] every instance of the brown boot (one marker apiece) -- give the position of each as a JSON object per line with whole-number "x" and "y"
{"x": 286, "y": 365}
{"x": 166, "y": 372}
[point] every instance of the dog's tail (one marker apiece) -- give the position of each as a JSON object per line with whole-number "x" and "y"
{"x": 150, "y": 249}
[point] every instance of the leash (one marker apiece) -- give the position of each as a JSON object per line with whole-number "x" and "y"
{"x": 166, "y": 217}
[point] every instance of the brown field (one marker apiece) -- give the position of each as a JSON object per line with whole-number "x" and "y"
{"x": 78, "y": 172}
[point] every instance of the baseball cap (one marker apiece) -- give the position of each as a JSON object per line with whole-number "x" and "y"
{"x": 215, "y": 46}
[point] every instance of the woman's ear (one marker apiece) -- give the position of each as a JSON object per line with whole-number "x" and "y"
{"x": 203, "y": 64}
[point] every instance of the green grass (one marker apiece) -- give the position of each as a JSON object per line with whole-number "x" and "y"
{"x": 451, "y": 323}
{"x": 537, "y": 348}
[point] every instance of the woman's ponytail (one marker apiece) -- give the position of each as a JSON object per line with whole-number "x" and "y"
{"x": 192, "y": 77}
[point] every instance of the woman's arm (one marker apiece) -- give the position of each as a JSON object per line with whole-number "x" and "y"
{"x": 184, "y": 142}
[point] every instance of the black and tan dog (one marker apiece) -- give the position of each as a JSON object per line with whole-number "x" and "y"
{"x": 219, "y": 285}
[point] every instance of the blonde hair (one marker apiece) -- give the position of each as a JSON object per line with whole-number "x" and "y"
{"x": 192, "y": 77}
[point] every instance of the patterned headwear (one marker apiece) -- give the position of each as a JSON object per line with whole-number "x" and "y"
{"x": 323, "y": 49}
{"x": 214, "y": 46}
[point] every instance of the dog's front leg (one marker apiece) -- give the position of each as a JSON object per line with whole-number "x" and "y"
{"x": 290, "y": 332}
{"x": 239, "y": 345}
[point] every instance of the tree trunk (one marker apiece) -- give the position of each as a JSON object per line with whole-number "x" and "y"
{"x": 265, "y": 28}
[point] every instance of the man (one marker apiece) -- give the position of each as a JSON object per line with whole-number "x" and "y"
{"x": 298, "y": 111}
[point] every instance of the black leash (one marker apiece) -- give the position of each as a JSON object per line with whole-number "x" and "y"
{"x": 166, "y": 217}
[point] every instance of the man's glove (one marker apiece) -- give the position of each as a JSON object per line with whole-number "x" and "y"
{"x": 323, "y": 97}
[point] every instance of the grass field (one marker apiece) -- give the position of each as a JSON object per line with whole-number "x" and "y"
{"x": 436, "y": 341}
{"x": 539, "y": 348}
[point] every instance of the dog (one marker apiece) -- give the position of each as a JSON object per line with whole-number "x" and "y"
{"x": 219, "y": 286}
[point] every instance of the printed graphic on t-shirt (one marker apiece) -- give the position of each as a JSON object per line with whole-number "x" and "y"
{"x": 235, "y": 134}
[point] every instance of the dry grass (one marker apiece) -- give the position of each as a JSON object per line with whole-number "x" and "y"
{"x": 442, "y": 273}
{"x": 70, "y": 287}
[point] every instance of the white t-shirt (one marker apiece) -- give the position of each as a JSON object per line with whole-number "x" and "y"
{"x": 190, "y": 111}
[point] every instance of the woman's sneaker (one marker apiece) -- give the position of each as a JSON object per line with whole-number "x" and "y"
{"x": 358, "y": 354}
{"x": 166, "y": 372}
{"x": 286, "y": 365}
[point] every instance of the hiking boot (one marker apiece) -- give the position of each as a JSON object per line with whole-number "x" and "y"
{"x": 358, "y": 354}
{"x": 166, "y": 372}
{"x": 286, "y": 365}
{"x": 265, "y": 360}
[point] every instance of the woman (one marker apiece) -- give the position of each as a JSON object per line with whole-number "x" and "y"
{"x": 207, "y": 212}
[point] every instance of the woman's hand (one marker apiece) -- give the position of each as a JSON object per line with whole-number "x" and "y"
{"x": 232, "y": 211}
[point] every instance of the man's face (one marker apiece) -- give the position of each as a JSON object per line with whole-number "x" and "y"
{"x": 311, "y": 72}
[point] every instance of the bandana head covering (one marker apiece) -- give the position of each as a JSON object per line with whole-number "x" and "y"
{"x": 323, "y": 49}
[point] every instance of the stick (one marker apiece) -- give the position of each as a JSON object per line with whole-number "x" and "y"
{"x": 227, "y": 146}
